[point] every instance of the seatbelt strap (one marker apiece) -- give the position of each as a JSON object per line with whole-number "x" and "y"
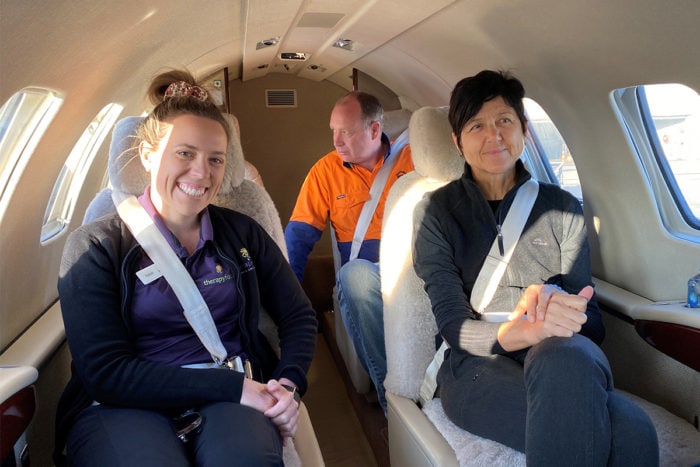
{"x": 375, "y": 193}
{"x": 489, "y": 277}
{"x": 495, "y": 265}
{"x": 164, "y": 258}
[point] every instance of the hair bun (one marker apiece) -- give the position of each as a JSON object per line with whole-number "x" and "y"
{"x": 184, "y": 89}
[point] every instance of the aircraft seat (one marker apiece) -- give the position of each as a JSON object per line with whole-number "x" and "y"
{"x": 427, "y": 437}
{"x": 128, "y": 175}
{"x": 395, "y": 123}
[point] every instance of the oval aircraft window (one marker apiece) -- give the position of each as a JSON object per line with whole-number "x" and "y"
{"x": 662, "y": 122}
{"x": 547, "y": 156}
{"x": 23, "y": 120}
{"x": 64, "y": 195}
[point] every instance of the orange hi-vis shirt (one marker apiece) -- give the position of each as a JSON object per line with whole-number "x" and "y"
{"x": 336, "y": 191}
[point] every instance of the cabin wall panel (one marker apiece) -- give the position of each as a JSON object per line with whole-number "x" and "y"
{"x": 642, "y": 370}
{"x": 53, "y": 377}
{"x": 283, "y": 143}
{"x": 617, "y": 193}
{"x": 21, "y": 302}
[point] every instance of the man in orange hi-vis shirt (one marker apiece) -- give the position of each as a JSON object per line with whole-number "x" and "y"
{"x": 337, "y": 188}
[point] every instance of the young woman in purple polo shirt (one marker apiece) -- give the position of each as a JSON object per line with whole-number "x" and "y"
{"x": 137, "y": 363}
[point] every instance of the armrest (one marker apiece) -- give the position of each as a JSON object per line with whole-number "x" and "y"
{"x": 17, "y": 405}
{"x": 413, "y": 439}
{"x": 15, "y": 378}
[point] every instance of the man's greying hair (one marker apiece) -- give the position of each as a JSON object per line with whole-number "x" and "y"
{"x": 470, "y": 94}
{"x": 370, "y": 106}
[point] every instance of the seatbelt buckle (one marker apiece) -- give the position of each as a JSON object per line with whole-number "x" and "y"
{"x": 238, "y": 364}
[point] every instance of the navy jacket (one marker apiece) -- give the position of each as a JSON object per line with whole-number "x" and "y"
{"x": 96, "y": 283}
{"x": 454, "y": 229}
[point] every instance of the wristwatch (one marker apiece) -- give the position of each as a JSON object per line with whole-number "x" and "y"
{"x": 293, "y": 390}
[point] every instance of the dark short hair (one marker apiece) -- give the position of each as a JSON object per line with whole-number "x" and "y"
{"x": 370, "y": 106}
{"x": 470, "y": 94}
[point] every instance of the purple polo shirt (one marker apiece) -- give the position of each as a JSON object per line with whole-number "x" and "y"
{"x": 163, "y": 334}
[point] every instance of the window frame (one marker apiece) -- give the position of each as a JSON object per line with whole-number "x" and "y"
{"x": 20, "y": 142}
{"x": 67, "y": 188}
{"x": 635, "y": 119}
{"x": 662, "y": 159}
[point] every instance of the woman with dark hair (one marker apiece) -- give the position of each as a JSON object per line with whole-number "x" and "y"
{"x": 523, "y": 367}
{"x": 142, "y": 378}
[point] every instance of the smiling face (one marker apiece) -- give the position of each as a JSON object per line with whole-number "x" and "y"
{"x": 356, "y": 142}
{"x": 187, "y": 167}
{"x": 492, "y": 142}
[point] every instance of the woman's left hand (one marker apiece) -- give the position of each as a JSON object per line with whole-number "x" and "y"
{"x": 550, "y": 312}
{"x": 536, "y": 299}
{"x": 285, "y": 412}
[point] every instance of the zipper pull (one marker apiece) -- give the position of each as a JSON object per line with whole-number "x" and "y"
{"x": 500, "y": 240}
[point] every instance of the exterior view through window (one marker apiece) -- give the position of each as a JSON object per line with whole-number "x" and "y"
{"x": 544, "y": 139}
{"x": 673, "y": 122}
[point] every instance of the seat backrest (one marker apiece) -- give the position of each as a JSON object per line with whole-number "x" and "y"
{"x": 409, "y": 325}
{"x": 395, "y": 122}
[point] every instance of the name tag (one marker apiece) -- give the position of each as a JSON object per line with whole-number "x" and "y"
{"x": 149, "y": 274}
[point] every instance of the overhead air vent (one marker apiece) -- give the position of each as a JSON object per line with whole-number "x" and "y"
{"x": 280, "y": 98}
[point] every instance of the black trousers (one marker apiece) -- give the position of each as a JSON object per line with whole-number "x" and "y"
{"x": 231, "y": 434}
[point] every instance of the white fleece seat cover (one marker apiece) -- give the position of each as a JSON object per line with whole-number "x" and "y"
{"x": 409, "y": 324}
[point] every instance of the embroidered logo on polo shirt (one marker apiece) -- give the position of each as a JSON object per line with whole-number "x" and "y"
{"x": 247, "y": 261}
{"x": 217, "y": 280}
{"x": 341, "y": 196}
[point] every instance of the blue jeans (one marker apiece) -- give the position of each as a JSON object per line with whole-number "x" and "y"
{"x": 558, "y": 406}
{"x": 123, "y": 437}
{"x": 362, "y": 309}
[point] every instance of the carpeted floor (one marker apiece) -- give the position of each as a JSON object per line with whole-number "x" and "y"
{"x": 338, "y": 429}
{"x": 351, "y": 430}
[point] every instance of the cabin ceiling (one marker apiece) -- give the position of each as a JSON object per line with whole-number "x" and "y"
{"x": 96, "y": 53}
{"x": 314, "y": 27}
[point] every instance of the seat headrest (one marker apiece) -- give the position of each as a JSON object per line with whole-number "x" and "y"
{"x": 434, "y": 153}
{"x": 395, "y": 122}
{"x": 128, "y": 175}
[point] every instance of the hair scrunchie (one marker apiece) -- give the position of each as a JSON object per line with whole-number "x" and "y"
{"x": 183, "y": 88}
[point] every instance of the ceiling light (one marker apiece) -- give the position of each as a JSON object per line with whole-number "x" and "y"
{"x": 345, "y": 44}
{"x": 267, "y": 43}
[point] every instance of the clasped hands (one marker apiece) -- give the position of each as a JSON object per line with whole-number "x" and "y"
{"x": 548, "y": 312}
{"x": 275, "y": 402}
